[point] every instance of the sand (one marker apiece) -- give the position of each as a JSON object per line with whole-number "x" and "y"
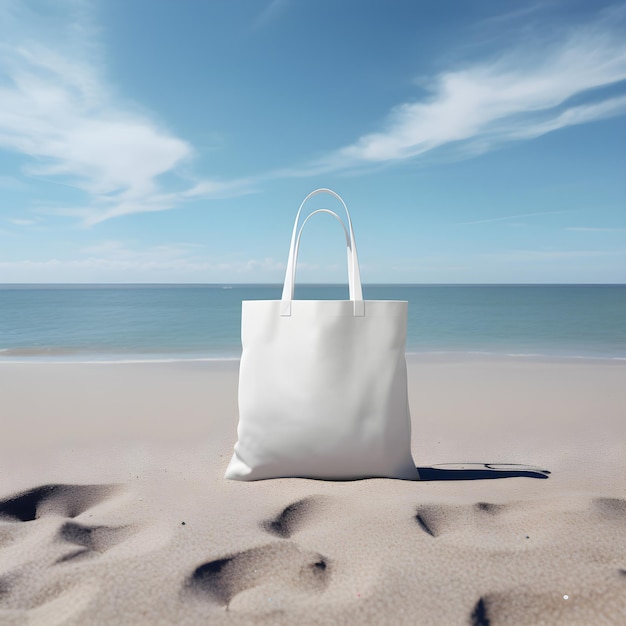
{"x": 113, "y": 509}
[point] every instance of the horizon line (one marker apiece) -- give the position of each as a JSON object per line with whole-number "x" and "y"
{"x": 307, "y": 284}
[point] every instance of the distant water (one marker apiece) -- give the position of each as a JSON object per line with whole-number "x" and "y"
{"x": 139, "y": 322}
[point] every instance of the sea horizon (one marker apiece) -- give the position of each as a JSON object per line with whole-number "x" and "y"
{"x": 34, "y": 285}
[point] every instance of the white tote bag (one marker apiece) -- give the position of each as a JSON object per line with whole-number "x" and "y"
{"x": 323, "y": 383}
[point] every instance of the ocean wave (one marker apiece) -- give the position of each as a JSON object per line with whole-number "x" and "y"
{"x": 75, "y": 356}
{"x": 105, "y": 361}
{"x": 539, "y": 356}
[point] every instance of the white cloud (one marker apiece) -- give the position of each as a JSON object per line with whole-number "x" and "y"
{"x": 182, "y": 258}
{"x": 22, "y": 222}
{"x": 524, "y": 93}
{"x": 130, "y": 261}
{"x": 115, "y": 261}
{"x": 57, "y": 109}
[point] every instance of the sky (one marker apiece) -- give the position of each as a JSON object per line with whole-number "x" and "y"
{"x": 160, "y": 141}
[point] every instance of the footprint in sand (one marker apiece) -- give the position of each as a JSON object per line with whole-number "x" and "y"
{"x": 23, "y": 586}
{"x": 435, "y": 520}
{"x": 613, "y": 508}
{"x": 91, "y": 540}
{"x": 292, "y": 517}
{"x": 499, "y": 528}
{"x": 63, "y": 500}
{"x": 273, "y": 567}
{"x": 600, "y": 604}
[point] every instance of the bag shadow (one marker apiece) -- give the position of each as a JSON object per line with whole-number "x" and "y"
{"x": 480, "y": 471}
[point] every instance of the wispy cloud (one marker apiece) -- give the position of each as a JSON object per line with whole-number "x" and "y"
{"x": 179, "y": 257}
{"x": 10, "y": 182}
{"x": 126, "y": 202}
{"x": 506, "y": 218}
{"x": 271, "y": 12}
{"x": 129, "y": 261}
{"x": 527, "y": 91}
{"x": 550, "y": 255}
{"x": 593, "y": 229}
{"x": 513, "y": 15}
{"x": 22, "y": 222}
{"x": 57, "y": 109}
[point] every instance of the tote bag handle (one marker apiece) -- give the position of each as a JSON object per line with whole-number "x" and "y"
{"x": 354, "y": 275}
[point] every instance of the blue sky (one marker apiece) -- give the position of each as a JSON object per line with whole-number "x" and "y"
{"x": 161, "y": 141}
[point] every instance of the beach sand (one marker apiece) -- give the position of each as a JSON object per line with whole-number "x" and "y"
{"x": 114, "y": 510}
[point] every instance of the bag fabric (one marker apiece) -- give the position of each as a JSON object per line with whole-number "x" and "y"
{"x": 323, "y": 383}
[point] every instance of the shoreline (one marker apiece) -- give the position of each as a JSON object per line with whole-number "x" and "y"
{"x": 411, "y": 356}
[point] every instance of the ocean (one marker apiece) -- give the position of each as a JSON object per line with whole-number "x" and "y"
{"x": 188, "y": 322}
